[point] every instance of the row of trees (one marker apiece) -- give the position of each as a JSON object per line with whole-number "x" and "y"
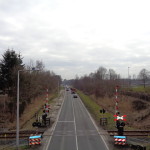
{"x": 103, "y": 81}
{"x": 100, "y": 83}
{"x": 32, "y": 83}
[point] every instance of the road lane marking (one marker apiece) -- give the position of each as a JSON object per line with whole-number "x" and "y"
{"x": 94, "y": 124}
{"x": 56, "y": 122}
{"x": 75, "y": 125}
{"x": 65, "y": 121}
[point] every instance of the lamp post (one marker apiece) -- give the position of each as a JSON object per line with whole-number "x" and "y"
{"x": 17, "y": 124}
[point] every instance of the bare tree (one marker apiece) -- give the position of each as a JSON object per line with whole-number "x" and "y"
{"x": 144, "y": 75}
{"x": 100, "y": 73}
{"x": 112, "y": 74}
{"x": 40, "y": 65}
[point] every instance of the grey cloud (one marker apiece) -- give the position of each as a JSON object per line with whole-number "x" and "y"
{"x": 36, "y": 38}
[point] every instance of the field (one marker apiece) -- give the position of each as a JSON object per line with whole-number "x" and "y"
{"x": 140, "y": 89}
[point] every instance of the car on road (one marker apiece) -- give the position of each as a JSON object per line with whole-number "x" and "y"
{"x": 75, "y": 96}
{"x": 67, "y": 89}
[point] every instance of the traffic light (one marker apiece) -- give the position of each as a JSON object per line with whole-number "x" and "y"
{"x": 102, "y": 111}
{"x": 120, "y": 127}
{"x": 122, "y": 124}
{"x": 120, "y": 130}
{"x": 117, "y": 124}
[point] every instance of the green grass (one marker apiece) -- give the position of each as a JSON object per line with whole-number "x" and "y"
{"x": 94, "y": 109}
{"x": 139, "y": 89}
{"x": 148, "y": 147}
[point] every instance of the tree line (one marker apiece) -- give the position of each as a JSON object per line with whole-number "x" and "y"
{"x": 103, "y": 81}
{"x": 32, "y": 83}
{"x": 100, "y": 83}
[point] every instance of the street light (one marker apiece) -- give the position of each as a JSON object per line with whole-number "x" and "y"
{"x": 17, "y": 124}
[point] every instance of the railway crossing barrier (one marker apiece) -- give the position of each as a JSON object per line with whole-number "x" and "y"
{"x": 120, "y": 140}
{"x": 35, "y": 140}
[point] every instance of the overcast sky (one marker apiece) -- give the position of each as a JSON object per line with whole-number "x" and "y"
{"x": 75, "y": 37}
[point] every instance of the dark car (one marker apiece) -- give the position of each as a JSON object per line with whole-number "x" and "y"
{"x": 75, "y": 96}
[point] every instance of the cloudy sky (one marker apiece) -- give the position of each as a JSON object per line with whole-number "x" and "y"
{"x": 75, "y": 37}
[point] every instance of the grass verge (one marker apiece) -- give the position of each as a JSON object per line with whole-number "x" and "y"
{"x": 94, "y": 109}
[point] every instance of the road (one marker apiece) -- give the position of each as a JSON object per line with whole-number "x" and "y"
{"x": 74, "y": 129}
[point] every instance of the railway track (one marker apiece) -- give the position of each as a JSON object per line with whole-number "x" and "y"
{"x": 27, "y": 133}
{"x": 22, "y": 134}
{"x": 131, "y": 133}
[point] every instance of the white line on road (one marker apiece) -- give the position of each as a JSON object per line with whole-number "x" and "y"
{"x": 65, "y": 121}
{"x": 75, "y": 125}
{"x": 94, "y": 123}
{"x": 55, "y": 123}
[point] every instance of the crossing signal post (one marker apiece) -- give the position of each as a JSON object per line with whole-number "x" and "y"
{"x": 120, "y": 127}
{"x": 119, "y": 119}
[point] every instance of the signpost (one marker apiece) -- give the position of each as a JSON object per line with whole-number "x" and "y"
{"x": 103, "y": 121}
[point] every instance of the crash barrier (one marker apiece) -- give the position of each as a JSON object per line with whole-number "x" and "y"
{"x": 120, "y": 140}
{"x": 35, "y": 140}
{"x": 43, "y": 123}
{"x": 103, "y": 121}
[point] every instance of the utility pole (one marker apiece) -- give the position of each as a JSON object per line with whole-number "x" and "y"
{"x": 17, "y": 123}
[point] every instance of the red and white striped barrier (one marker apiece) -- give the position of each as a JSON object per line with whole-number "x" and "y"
{"x": 47, "y": 106}
{"x": 120, "y": 140}
{"x": 116, "y": 100}
{"x": 35, "y": 140}
{"x": 117, "y": 108}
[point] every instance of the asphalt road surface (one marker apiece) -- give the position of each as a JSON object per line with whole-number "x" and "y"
{"x": 74, "y": 129}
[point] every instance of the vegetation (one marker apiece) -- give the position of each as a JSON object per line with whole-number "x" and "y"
{"x": 100, "y": 83}
{"x": 32, "y": 83}
{"x": 94, "y": 109}
{"x": 8, "y": 66}
{"x": 29, "y": 114}
{"x": 98, "y": 91}
{"x": 139, "y": 89}
{"x": 144, "y": 75}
